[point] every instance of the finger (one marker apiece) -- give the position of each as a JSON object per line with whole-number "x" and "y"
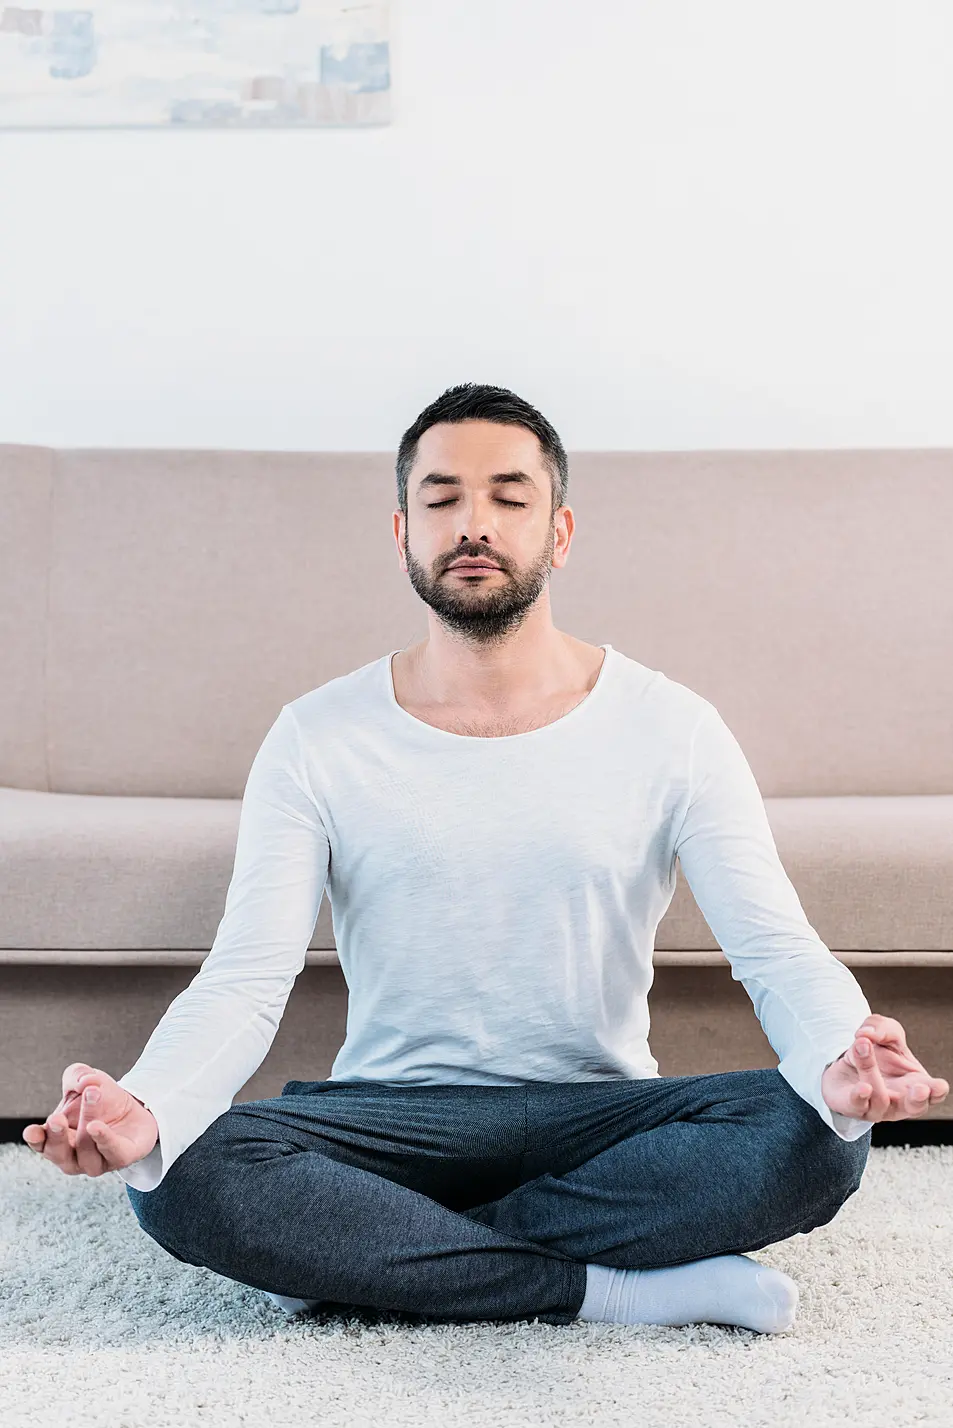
{"x": 935, "y": 1091}
{"x": 35, "y": 1137}
{"x": 886, "y": 1031}
{"x": 58, "y": 1148}
{"x": 87, "y": 1135}
{"x": 860, "y": 1095}
{"x": 82, "y": 1083}
{"x": 72, "y": 1074}
{"x": 65, "y": 1104}
{"x": 869, "y": 1071}
{"x": 880, "y": 1036}
{"x": 71, "y": 1079}
{"x": 75, "y": 1079}
{"x": 859, "y": 1102}
{"x": 70, "y": 1104}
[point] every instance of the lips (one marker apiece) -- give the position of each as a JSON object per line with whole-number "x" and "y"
{"x": 473, "y": 565}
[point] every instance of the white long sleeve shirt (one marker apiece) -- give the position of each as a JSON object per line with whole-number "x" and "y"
{"x": 494, "y": 900}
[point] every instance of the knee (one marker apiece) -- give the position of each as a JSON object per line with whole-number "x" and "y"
{"x": 148, "y": 1207}
{"x": 834, "y": 1163}
{"x": 819, "y": 1170}
{"x": 144, "y": 1204}
{"x": 203, "y": 1195}
{"x": 837, "y": 1165}
{"x": 828, "y": 1171}
{"x": 186, "y": 1197}
{"x": 853, "y": 1154}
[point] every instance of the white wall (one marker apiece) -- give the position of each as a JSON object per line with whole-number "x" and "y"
{"x": 670, "y": 225}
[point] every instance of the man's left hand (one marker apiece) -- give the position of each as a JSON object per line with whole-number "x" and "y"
{"x": 878, "y": 1078}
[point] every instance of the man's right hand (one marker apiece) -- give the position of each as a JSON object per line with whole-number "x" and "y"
{"x": 85, "y": 1137}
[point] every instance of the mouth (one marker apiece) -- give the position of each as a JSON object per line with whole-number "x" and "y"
{"x": 467, "y": 568}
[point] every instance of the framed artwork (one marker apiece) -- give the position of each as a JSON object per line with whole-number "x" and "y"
{"x": 234, "y": 64}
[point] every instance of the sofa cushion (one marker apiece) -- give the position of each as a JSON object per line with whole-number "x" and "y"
{"x": 97, "y": 872}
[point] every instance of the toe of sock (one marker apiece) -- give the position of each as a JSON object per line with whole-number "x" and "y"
{"x": 290, "y": 1305}
{"x": 782, "y": 1293}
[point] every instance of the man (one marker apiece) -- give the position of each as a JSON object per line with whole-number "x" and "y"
{"x": 496, "y": 813}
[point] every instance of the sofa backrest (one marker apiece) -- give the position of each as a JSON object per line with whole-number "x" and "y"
{"x": 157, "y": 607}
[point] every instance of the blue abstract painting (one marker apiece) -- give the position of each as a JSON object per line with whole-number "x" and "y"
{"x": 199, "y": 63}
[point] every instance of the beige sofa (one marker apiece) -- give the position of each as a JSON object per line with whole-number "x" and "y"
{"x": 158, "y": 607}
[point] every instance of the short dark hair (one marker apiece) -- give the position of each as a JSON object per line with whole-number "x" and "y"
{"x": 475, "y": 401}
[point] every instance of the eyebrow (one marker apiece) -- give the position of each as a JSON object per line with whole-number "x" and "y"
{"x": 441, "y": 478}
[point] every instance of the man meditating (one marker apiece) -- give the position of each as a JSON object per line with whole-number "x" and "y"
{"x": 496, "y": 813}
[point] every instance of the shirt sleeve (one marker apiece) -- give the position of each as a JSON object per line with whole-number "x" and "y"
{"x": 217, "y": 1032}
{"x": 809, "y": 1004}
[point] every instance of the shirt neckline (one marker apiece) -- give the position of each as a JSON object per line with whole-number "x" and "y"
{"x": 577, "y": 709}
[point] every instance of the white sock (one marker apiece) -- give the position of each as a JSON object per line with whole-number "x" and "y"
{"x": 289, "y": 1305}
{"x": 723, "y": 1289}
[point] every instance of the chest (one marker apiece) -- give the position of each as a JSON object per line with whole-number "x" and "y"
{"x": 497, "y": 724}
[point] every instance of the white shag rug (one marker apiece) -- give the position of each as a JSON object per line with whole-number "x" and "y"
{"x": 99, "y": 1326}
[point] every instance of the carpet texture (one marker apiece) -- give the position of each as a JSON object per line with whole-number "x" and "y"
{"x": 99, "y": 1326}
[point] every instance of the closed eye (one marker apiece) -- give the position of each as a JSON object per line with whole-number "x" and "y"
{"x": 435, "y": 505}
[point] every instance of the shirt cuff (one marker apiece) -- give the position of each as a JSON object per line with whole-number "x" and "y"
{"x": 144, "y": 1174}
{"x": 148, "y": 1172}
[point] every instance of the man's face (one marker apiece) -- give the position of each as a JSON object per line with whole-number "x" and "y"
{"x": 509, "y": 523}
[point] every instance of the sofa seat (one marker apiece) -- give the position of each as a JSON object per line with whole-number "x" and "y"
{"x": 92, "y": 878}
